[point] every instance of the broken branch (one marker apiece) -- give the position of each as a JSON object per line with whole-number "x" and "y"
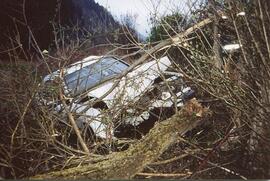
{"x": 127, "y": 164}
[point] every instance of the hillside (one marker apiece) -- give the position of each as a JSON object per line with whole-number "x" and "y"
{"x": 39, "y": 16}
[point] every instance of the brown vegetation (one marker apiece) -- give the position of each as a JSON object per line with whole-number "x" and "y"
{"x": 232, "y": 142}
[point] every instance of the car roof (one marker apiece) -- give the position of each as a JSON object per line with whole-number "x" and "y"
{"x": 78, "y": 65}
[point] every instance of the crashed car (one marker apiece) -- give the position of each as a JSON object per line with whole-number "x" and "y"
{"x": 105, "y": 93}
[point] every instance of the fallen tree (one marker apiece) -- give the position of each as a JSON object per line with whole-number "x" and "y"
{"x": 127, "y": 164}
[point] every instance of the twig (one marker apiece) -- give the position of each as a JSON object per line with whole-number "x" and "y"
{"x": 222, "y": 168}
{"x": 170, "y": 160}
{"x": 178, "y": 157}
{"x": 72, "y": 120}
{"x": 164, "y": 174}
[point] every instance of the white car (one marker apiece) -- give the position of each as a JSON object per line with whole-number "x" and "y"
{"x": 104, "y": 98}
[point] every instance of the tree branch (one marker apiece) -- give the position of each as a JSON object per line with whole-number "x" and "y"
{"x": 127, "y": 164}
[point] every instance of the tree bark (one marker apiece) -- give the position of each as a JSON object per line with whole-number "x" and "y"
{"x": 216, "y": 45}
{"x": 125, "y": 165}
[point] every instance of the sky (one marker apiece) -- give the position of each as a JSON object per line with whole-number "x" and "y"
{"x": 143, "y": 9}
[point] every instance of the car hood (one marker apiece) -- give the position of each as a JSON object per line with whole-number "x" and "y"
{"x": 133, "y": 85}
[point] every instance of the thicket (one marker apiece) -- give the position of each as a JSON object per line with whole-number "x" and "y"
{"x": 232, "y": 140}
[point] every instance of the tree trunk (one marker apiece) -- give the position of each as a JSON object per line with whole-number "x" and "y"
{"x": 125, "y": 165}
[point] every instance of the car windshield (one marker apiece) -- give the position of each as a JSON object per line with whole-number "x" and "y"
{"x": 91, "y": 75}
